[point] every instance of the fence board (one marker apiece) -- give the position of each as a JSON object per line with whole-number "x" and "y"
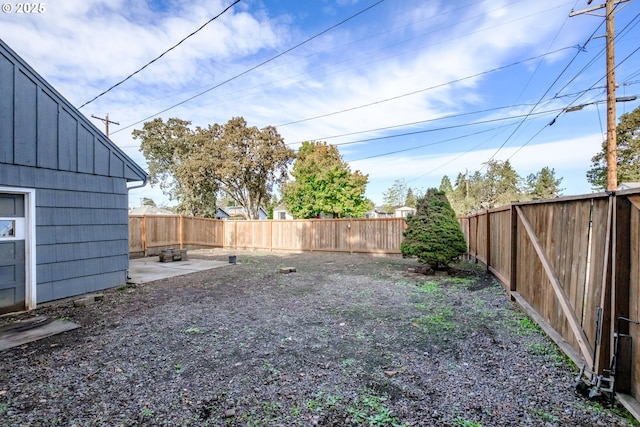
{"x": 293, "y": 235}
{"x": 203, "y": 232}
{"x": 135, "y": 234}
{"x": 382, "y": 235}
{"x": 153, "y": 232}
{"x": 500, "y": 244}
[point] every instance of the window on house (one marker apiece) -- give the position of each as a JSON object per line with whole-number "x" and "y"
{"x": 282, "y": 215}
{"x": 7, "y": 228}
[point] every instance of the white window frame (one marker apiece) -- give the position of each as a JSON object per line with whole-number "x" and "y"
{"x": 29, "y": 229}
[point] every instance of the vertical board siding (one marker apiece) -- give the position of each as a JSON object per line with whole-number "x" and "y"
{"x": 68, "y": 142}
{"x": 6, "y": 110}
{"x": 25, "y": 121}
{"x": 47, "y": 154}
{"x": 80, "y": 193}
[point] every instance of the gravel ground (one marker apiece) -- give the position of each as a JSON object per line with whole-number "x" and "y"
{"x": 346, "y": 340}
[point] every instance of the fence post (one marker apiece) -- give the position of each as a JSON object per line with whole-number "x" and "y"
{"x": 143, "y": 229}
{"x": 180, "y": 231}
{"x": 513, "y": 286}
{"x": 271, "y": 235}
{"x": 313, "y": 234}
{"x": 488, "y": 240}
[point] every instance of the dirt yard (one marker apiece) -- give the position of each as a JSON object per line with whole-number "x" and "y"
{"x": 346, "y": 340}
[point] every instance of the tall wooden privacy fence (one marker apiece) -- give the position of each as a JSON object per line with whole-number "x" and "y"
{"x": 573, "y": 264}
{"x": 151, "y": 233}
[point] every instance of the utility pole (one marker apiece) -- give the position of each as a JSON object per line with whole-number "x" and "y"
{"x": 466, "y": 178}
{"x": 106, "y": 122}
{"x": 612, "y": 158}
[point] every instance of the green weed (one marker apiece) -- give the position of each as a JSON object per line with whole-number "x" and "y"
{"x": 295, "y": 410}
{"x": 348, "y": 362}
{"x": 429, "y": 287}
{"x": 544, "y": 416}
{"x": 271, "y": 369}
{"x": 369, "y": 410}
{"x": 178, "y": 368}
{"x": 146, "y": 413}
{"x": 192, "y": 331}
{"x": 525, "y": 327}
{"x": 461, "y": 422}
{"x": 436, "y": 323}
{"x": 461, "y": 281}
{"x": 551, "y": 352}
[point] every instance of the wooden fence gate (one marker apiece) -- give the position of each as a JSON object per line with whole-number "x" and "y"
{"x": 573, "y": 264}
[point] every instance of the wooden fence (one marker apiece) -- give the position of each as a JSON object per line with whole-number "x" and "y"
{"x": 149, "y": 234}
{"x": 573, "y": 264}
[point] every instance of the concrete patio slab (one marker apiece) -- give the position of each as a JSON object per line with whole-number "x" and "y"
{"x": 143, "y": 270}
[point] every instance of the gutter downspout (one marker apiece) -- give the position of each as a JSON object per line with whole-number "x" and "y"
{"x": 144, "y": 183}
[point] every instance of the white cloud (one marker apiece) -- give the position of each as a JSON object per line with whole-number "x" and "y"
{"x": 83, "y": 46}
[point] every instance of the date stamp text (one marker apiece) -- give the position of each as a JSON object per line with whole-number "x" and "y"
{"x": 24, "y": 8}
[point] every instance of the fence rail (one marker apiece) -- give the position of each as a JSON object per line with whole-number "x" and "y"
{"x": 148, "y": 234}
{"x": 573, "y": 264}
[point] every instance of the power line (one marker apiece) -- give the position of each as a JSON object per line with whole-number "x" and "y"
{"x": 482, "y": 122}
{"x": 540, "y": 100}
{"x": 592, "y": 87}
{"x": 161, "y": 55}
{"x": 451, "y": 116}
{"x": 256, "y": 66}
{"x": 424, "y": 89}
{"x": 430, "y": 144}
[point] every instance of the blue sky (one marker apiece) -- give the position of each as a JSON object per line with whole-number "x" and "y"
{"x": 408, "y": 89}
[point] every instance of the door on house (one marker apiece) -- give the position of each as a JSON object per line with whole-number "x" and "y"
{"x": 12, "y": 253}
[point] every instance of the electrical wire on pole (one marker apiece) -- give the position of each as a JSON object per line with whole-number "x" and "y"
{"x": 612, "y": 174}
{"x": 106, "y": 122}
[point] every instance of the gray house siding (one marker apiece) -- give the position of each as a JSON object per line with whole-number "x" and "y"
{"x": 80, "y": 181}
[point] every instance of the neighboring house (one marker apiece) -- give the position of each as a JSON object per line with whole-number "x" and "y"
{"x": 378, "y": 212}
{"x": 238, "y": 213}
{"x": 63, "y": 195}
{"x": 403, "y": 211}
{"x": 150, "y": 210}
{"x": 628, "y": 185}
{"x": 280, "y": 212}
{"x": 222, "y": 214}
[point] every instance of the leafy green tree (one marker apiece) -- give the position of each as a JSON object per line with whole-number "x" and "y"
{"x": 445, "y": 185}
{"x": 324, "y": 184}
{"x": 628, "y": 154}
{"x": 544, "y": 184}
{"x": 465, "y": 197}
{"x": 411, "y": 199}
{"x": 146, "y": 201}
{"x": 245, "y": 163}
{"x": 433, "y": 234}
{"x": 501, "y": 185}
{"x": 395, "y": 196}
{"x": 168, "y": 149}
